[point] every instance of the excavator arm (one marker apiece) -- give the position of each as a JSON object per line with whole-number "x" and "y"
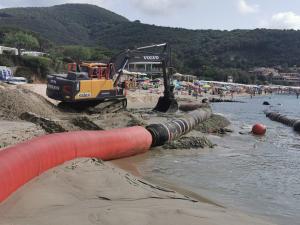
{"x": 166, "y": 103}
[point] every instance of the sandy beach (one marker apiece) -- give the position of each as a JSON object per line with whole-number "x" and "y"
{"x": 88, "y": 191}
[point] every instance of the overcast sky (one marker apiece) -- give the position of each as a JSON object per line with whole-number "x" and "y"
{"x": 195, "y": 14}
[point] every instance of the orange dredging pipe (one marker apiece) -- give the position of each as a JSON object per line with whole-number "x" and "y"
{"x": 25, "y": 161}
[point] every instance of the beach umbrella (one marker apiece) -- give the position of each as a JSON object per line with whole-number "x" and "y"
{"x": 155, "y": 81}
{"x": 182, "y": 83}
{"x": 177, "y": 86}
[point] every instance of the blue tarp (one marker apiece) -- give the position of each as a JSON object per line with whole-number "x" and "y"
{"x": 5, "y": 73}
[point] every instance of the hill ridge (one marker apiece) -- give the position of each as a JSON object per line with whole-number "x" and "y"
{"x": 195, "y": 51}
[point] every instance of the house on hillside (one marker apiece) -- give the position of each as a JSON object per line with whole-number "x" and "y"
{"x": 33, "y": 53}
{"x": 184, "y": 77}
{"x": 292, "y": 79}
{"x": 149, "y": 68}
{"x": 266, "y": 72}
{"x": 8, "y": 50}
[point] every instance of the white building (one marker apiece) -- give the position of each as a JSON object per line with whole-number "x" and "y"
{"x": 33, "y": 53}
{"x": 263, "y": 71}
{"x": 9, "y": 50}
{"x": 150, "y": 68}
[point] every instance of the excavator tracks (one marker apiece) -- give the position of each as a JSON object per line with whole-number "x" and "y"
{"x": 95, "y": 107}
{"x": 110, "y": 106}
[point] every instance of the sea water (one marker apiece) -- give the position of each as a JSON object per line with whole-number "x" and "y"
{"x": 258, "y": 175}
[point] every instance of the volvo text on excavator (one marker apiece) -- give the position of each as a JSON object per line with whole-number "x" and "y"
{"x": 89, "y": 84}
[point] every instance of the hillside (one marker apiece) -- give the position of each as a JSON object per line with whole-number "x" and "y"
{"x": 195, "y": 48}
{"x": 195, "y": 51}
{"x": 62, "y": 24}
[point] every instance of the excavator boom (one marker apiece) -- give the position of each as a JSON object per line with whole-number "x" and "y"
{"x": 167, "y": 102}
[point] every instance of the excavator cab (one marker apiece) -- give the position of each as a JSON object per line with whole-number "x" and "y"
{"x": 93, "y": 70}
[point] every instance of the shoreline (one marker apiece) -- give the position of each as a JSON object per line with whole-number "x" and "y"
{"x": 130, "y": 165}
{"x": 127, "y": 164}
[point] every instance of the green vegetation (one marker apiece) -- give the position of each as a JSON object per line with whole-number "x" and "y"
{"x": 210, "y": 54}
{"x": 21, "y": 40}
{"x": 39, "y": 65}
{"x": 33, "y": 68}
{"x": 70, "y": 24}
{"x": 6, "y": 61}
{"x": 77, "y": 53}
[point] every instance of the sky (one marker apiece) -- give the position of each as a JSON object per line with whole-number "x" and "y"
{"x": 195, "y": 14}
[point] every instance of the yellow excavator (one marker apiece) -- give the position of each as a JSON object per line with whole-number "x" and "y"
{"x": 86, "y": 85}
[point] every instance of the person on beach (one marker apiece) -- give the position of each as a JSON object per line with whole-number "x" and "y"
{"x": 196, "y": 93}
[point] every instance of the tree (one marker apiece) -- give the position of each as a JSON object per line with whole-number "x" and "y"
{"x": 77, "y": 53}
{"x": 44, "y": 44}
{"x": 21, "y": 40}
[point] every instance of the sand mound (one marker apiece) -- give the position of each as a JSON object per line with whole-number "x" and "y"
{"x": 215, "y": 124}
{"x": 15, "y": 100}
{"x": 189, "y": 143}
{"x": 142, "y": 99}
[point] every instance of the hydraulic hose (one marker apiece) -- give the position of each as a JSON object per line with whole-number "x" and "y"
{"x": 22, "y": 162}
{"x": 166, "y": 132}
{"x": 295, "y": 123}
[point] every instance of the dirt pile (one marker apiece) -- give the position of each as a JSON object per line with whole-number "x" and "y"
{"x": 85, "y": 123}
{"x": 215, "y": 124}
{"x": 48, "y": 125}
{"x": 141, "y": 99}
{"x": 189, "y": 143}
{"x": 15, "y": 100}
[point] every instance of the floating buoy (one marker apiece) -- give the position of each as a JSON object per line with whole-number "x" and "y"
{"x": 259, "y": 129}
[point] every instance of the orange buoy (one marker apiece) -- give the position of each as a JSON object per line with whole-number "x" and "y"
{"x": 259, "y": 129}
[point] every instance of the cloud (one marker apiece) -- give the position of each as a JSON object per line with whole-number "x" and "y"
{"x": 245, "y": 8}
{"x": 159, "y": 6}
{"x": 285, "y": 20}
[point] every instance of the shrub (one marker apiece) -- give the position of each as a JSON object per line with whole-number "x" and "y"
{"x": 42, "y": 66}
{"x": 6, "y": 60}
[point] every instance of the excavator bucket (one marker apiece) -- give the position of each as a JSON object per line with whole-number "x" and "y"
{"x": 166, "y": 105}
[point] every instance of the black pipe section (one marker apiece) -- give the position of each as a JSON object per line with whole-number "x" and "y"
{"x": 192, "y": 106}
{"x": 169, "y": 131}
{"x": 295, "y": 123}
{"x": 217, "y": 100}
